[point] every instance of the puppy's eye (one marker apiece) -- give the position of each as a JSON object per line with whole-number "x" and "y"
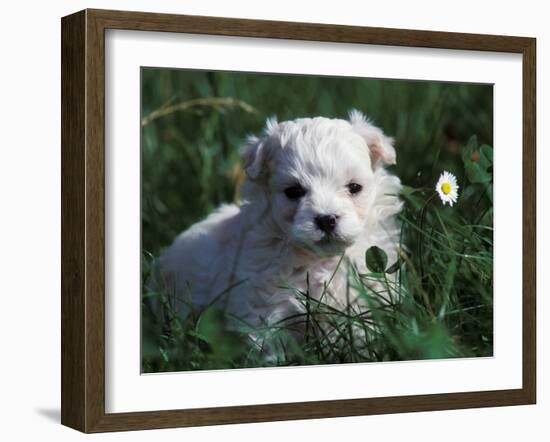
{"x": 354, "y": 188}
{"x": 295, "y": 192}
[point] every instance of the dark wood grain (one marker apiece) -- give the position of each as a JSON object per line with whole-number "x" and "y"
{"x": 83, "y": 220}
{"x": 308, "y": 410}
{"x": 529, "y": 220}
{"x": 73, "y": 253}
{"x": 143, "y": 21}
{"x": 95, "y": 221}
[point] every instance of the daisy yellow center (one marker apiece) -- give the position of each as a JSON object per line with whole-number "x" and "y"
{"x": 446, "y": 188}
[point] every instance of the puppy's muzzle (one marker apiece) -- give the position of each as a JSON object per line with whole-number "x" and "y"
{"x": 326, "y": 223}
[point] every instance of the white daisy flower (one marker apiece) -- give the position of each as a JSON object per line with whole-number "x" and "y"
{"x": 447, "y": 188}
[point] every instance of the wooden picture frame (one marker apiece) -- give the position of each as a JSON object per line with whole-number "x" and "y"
{"x": 83, "y": 220}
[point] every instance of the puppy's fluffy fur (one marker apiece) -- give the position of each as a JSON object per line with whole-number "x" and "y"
{"x": 271, "y": 242}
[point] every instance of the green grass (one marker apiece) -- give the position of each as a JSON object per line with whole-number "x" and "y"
{"x": 192, "y": 125}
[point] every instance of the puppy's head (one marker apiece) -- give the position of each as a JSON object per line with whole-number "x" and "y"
{"x": 318, "y": 177}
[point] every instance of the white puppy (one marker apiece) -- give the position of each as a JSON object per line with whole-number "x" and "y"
{"x": 315, "y": 189}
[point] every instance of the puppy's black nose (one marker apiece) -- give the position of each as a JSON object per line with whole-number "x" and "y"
{"x": 326, "y": 223}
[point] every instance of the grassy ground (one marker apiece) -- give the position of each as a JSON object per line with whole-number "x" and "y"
{"x": 192, "y": 125}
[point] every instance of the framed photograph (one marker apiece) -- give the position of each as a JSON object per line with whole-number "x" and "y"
{"x": 267, "y": 220}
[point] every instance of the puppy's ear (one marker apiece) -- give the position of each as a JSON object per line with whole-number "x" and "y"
{"x": 380, "y": 146}
{"x": 253, "y": 154}
{"x": 255, "y": 151}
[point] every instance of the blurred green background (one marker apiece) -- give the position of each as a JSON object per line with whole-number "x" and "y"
{"x": 193, "y": 123}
